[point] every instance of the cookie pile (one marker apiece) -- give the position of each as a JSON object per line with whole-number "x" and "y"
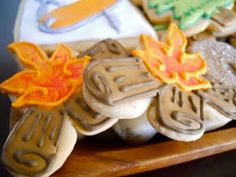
{"x": 114, "y": 73}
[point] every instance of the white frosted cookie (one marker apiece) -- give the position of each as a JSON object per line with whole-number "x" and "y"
{"x": 138, "y": 130}
{"x": 91, "y": 30}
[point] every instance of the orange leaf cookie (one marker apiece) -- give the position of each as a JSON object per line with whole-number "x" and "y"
{"x": 47, "y": 81}
{"x": 170, "y": 63}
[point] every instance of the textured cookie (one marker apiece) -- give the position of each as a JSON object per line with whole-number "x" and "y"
{"x": 221, "y": 59}
{"x": 39, "y": 143}
{"x": 87, "y": 121}
{"x": 177, "y": 114}
{"x": 193, "y": 16}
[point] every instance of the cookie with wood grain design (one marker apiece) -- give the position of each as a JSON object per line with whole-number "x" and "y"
{"x": 106, "y": 49}
{"x": 119, "y": 88}
{"x": 87, "y": 121}
{"x": 177, "y": 114}
{"x": 39, "y": 143}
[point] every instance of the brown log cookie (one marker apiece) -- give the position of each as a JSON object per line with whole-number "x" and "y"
{"x": 39, "y": 143}
{"x": 87, "y": 121}
{"x": 106, "y": 49}
{"x": 177, "y": 114}
{"x": 113, "y": 82}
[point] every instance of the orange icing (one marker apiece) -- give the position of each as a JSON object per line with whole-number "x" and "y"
{"x": 46, "y": 82}
{"x": 76, "y": 12}
{"x": 170, "y": 63}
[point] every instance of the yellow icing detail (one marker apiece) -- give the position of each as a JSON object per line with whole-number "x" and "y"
{"x": 49, "y": 81}
{"x": 76, "y": 12}
{"x": 170, "y": 63}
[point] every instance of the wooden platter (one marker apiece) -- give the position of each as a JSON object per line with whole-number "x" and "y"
{"x": 95, "y": 157}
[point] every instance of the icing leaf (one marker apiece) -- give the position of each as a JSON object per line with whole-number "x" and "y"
{"x": 47, "y": 81}
{"x": 188, "y": 12}
{"x": 169, "y": 62}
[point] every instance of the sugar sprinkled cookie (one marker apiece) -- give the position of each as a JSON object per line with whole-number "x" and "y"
{"x": 220, "y": 99}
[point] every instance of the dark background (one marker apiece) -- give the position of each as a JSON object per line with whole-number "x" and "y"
{"x": 221, "y": 165}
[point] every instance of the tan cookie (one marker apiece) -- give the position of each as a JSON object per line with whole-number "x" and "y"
{"x": 114, "y": 85}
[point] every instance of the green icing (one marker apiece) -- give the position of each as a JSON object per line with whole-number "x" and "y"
{"x": 188, "y": 12}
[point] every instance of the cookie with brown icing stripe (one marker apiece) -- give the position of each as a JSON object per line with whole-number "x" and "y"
{"x": 87, "y": 121}
{"x": 177, "y": 114}
{"x": 105, "y": 49}
{"x": 114, "y": 85}
{"x": 39, "y": 143}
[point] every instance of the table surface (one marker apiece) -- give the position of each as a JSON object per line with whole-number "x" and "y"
{"x": 221, "y": 165}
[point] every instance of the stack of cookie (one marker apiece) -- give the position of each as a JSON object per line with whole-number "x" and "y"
{"x": 132, "y": 83}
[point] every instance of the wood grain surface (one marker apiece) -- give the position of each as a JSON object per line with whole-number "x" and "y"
{"x": 93, "y": 157}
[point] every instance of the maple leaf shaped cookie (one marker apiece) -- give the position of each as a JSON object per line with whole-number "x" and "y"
{"x": 170, "y": 63}
{"x": 46, "y": 81}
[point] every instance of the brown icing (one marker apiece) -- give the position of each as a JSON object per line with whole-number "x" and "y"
{"x": 106, "y": 49}
{"x": 177, "y": 111}
{"x": 32, "y": 144}
{"x": 221, "y": 99}
{"x": 116, "y": 80}
{"x": 85, "y": 119}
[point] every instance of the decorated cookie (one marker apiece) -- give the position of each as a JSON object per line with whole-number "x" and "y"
{"x": 116, "y": 85}
{"x": 193, "y": 16}
{"x": 177, "y": 114}
{"x": 43, "y": 138}
{"x": 99, "y": 20}
{"x": 222, "y": 74}
{"x": 106, "y": 49}
{"x": 176, "y": 111}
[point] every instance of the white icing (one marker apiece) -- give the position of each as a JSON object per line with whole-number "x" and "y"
{"x": 132, "y": 25}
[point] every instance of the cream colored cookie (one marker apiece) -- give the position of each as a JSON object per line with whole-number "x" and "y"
{"x": 137, "y": 130}
{"x": 125, "y": 110}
